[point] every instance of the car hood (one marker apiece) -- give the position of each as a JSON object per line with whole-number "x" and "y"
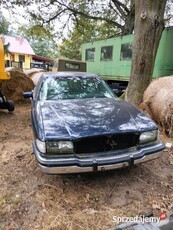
{"x": 72, "y": 119}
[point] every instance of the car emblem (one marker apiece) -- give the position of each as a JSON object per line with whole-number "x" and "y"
{"x": 111, "y": 143}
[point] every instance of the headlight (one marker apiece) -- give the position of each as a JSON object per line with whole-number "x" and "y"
{"x": 55, "y": 147}
{"x": 148, "y": 136}
{"x": 41, "y": 146}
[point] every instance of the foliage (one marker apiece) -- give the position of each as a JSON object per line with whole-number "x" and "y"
{"x": 41, "y": 40}
{"x": 69, "y": 12}
{"x": 117, "y": 15}
{"x": 77, "y": 21}
{"x": 86, "y": 30}
{"x": 4, "y": 25}
{"x": 44, "y": 47}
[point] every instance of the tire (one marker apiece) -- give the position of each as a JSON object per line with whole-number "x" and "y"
{"x": 10, "y": 106}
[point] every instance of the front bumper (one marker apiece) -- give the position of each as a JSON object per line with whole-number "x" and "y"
{"x": 97, "y": 162}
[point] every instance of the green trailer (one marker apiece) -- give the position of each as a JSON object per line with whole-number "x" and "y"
{"x": 111, "y": 58}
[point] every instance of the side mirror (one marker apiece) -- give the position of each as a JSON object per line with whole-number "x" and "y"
{"x": 115, "y": 91}
{"x": 28, "y": 95}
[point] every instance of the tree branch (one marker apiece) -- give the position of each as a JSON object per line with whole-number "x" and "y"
{"x": 76, "y": 12}
{"x": 119, "y": 4}
{"x": 117, "y": 11}
{"x": 54, "y": 17}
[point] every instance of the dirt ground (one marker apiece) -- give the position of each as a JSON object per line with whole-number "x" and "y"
{"x": 30, "y": 199}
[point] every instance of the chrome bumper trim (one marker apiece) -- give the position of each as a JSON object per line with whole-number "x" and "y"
{"x": 77, "y": 169}
{"x": 148, "y": 158}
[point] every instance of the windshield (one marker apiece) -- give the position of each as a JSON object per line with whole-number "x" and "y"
{"x": 74, "y": 88}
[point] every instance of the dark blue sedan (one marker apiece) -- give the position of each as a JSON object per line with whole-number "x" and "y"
{"x": 81, "y": 126}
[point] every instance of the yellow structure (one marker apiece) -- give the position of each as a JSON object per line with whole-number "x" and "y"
{"x": 4, "y": 103}
{"x": 19, "y": 52}
{"x": 3, "y": 75}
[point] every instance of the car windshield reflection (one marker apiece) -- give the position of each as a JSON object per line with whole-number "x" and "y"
{"x": 73, "y": 88}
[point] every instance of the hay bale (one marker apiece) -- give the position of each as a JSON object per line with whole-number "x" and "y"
{"x": 158, "y": 102}
{"x": 36, "y": 76}
{"x": 18, "y": 83}
{"x": 32, "y": 71}
{"x": 8, "y": 69}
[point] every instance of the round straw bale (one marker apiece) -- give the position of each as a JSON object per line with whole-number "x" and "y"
{"x": 36, "y": 76}
{"x": 18, "y": 83}
{"x": 30, "y": 72}
{"x": 158, "y": 101}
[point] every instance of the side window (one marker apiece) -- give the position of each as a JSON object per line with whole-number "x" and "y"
{"x": 89, "y": 54}
{"x": 126, "y": 51}
{"x": 106, "y": 53}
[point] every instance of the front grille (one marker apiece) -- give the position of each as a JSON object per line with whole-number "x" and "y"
{"x": 105, "y": 143}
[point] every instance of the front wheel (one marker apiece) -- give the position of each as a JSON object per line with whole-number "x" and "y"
{"x": 10, "y": 106}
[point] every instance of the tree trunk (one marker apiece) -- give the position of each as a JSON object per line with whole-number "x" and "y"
{"x": 148, "y": 29}
{"x": 130, "y": 20}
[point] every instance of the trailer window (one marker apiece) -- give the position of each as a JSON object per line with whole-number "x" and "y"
{"x": 126, "y": 51}
{"x": 106, "y": 53}
{"x": 72, "y": 66}
{"x": 89, "y": 54}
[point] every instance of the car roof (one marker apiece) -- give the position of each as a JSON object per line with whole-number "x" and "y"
{"x": 69, "y": 74}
